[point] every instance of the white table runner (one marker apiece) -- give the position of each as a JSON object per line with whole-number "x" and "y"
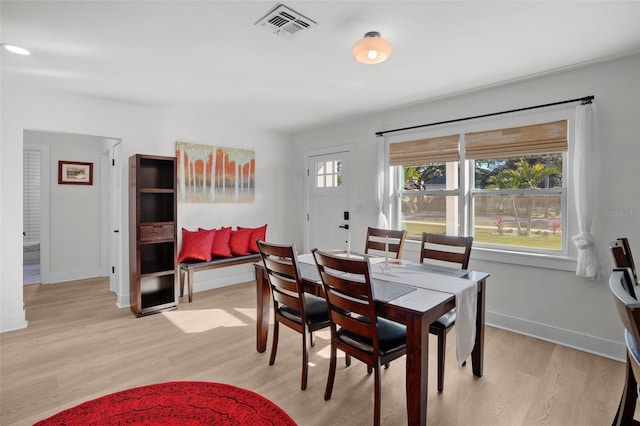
{"x": 465, "y": 291}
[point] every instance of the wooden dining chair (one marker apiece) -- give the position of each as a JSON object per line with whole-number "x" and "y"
{"x": 622, "y": 256}
{"x": 377, "y": 239}
{"x": 355, "y": 327}
{"x": 628, "y": 308}
{"x": 300, "y": 311}
{"x": 444, "y": 250}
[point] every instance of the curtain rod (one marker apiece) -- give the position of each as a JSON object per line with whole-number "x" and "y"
{"x": 584, "y": 100}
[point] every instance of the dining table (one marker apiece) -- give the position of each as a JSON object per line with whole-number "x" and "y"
{"x": 416, "y": 302}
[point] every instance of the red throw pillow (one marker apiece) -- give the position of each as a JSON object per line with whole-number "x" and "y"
{"x": 259, "y": 233}
{"x": 239, "y": 242}
{"x": 220, "y": 246}
{"x": 196, "y": 245}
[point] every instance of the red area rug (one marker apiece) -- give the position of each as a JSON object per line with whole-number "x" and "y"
{"x": 175, "y": 403}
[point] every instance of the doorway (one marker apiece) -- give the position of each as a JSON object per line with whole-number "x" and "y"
{"x": 329, "y": 197}
{"x": 77, "y": 223}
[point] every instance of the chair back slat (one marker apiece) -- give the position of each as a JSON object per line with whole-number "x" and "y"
{"x": 446, "y": 249}
{"x": 378, "y": 238}
{"x": 280, "y": 265}
{"x": 622, "y": 257}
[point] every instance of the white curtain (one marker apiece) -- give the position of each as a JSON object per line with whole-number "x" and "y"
{"x": 382, "y": 222}
{"x": 586, "y": 177}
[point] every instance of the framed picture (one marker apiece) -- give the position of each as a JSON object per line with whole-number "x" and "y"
{"x": 75, "y": 173}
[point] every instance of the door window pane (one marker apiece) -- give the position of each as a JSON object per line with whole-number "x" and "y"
{"x": 329, "y": 174}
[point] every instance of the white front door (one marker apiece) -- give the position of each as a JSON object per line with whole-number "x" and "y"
{"x": 329, "y": 187}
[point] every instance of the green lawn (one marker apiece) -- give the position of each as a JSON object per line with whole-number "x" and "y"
{"x": 544, "y": 240}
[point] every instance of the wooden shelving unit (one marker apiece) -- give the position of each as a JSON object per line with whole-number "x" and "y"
{"x": 152, "y": 234}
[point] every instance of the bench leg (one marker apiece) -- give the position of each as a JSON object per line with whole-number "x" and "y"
{"x": 190, "y": 285}
{"x": 182, "y": 283}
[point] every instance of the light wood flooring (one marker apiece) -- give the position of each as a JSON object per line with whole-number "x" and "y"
{"x": 80, "y": 346}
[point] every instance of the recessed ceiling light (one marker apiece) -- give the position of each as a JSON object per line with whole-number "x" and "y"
{"x": 16, "y": 49}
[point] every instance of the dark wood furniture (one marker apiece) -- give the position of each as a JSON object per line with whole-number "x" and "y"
{"x": 628, "y": 309}
{"x": 416, "y": 310}
{"x": 187, "y": 269}
{"x": 152, "y": 233}
{"x": 378, "y": 238}
{"x": 355, "y": 327}
{"x": 304, "y": 313}
{"x": 622, "y": 256}
{"x": 445, "y": 249}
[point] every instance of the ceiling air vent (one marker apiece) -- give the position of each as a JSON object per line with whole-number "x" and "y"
{"x": 285, "y": 22}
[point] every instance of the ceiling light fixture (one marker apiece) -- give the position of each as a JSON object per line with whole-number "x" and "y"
{"x": 372, "y": 49}
{"x": 15, "y": 49}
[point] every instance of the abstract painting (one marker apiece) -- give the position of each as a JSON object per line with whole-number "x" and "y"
{"x": 210, "y": 174}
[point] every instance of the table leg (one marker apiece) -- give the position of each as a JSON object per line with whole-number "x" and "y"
{"x": 263, "y": 294}
{"x": 417, "y": 370}
{"x": 477, "y": 355}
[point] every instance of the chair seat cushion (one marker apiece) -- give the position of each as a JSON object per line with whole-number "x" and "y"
{"x": 316, "y": 309}
{"x": 391, "y": 335}
{"x": 445, "y": 321}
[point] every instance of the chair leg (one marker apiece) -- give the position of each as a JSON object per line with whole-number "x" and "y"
{"x": 347, "y": 360}
{"x": 274, "y": 345}
{"x": 442, "y": 345}
{"x": 305, "y": 360}
{"x": 377, "y": 397}
{"x": 332, "y": 373}
{"x": 369, "y": 369}
{"x": 626, "y": 408}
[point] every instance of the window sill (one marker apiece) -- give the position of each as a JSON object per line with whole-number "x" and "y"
{"x": 526, "y": 259}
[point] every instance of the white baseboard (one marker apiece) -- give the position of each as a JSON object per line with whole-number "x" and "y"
{"x": 214, "y": 282}
{"x": 81, "y": 274}
{"x": 13, "y": 322}
{"x": 572, "y": 339}
{"x": 123, "y": 300}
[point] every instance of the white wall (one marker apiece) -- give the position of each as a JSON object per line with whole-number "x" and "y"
{"x": 75, "y": 210}
{"x": 142, "y": 130}
{"x": 550, "y": 304}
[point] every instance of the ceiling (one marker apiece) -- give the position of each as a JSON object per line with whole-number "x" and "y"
{"x": 209, "y": 55}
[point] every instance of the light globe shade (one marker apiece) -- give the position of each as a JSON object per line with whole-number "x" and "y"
{"x": 372, "y": 49}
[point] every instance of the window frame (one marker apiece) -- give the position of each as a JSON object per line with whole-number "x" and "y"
{"x": 562, "y": 260}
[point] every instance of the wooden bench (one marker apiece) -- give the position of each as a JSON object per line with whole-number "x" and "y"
{"x": 189, "y": 269}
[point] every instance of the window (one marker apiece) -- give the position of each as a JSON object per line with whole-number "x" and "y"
{"x": 329, "y": 174}
{"x": 518, "y": 202}
{"x": 428, "y": 188}
{"x": 505, "y": 187}
{"x": 429, "y": 199}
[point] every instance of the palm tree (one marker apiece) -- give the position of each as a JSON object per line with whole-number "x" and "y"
{"x": 524, "y": 176}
